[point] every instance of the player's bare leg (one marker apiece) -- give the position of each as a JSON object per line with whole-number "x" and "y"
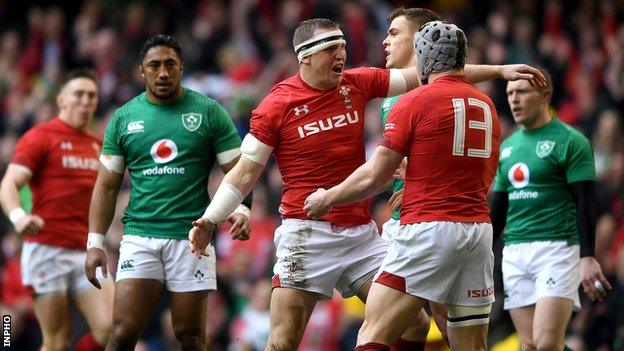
{"x": 53, "y": 314}
{"x": 380, "y": 314}
{"x": 134, "y": 301}
{"x": 290, "y": 312}
{"x": 188, "y": 317}
{"x": 97, "y": 306}
{"x": 523, "y": 323}
{"x": 438, "y": 312}
{"x": 550, "y": 321}
{"x": 471, "y": 338}
{"x": 419, "y": 327}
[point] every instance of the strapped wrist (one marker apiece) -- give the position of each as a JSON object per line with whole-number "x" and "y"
{"x": 244, "y": 210}
{"x": 16, "y": 215}
{"x": 95, "y": 240}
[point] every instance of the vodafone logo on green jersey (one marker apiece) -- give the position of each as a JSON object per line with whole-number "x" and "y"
{"x": 163, "y": 151}
{"x": 519, "y": 175}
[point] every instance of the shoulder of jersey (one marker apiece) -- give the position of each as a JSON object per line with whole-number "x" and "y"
{"x": 571, "y": 130}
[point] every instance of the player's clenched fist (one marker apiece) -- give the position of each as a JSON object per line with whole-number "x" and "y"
{"x": 200, "y": 235}
{"x": 29, "y": 225}
{"x": 315, "y": 205}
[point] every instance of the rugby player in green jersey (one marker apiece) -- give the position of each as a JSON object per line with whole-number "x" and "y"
{"x": 168, "y": 138}
{"x": 543, "y": 198}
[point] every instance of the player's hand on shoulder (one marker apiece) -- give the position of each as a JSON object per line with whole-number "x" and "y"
{"x": 522, "y": 71}
{"x": 200, "y": 235}
{"x": 29, "y": 225}
{"x": 593, "y": 281}
{"x": 241, "y": 226}
{"x": 314, "y": 205}
{"x": 96, "y": 257}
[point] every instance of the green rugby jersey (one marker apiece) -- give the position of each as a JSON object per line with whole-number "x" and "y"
{"x": 169, "y": 151}
{"x": 534, "y": 169}
{"x": 384, "y": 111}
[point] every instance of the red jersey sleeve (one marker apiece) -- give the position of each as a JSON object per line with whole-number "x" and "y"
{"x": 30, "y": 150}
{"x": 265, "y": 121}
{"x": 373, "y": 81}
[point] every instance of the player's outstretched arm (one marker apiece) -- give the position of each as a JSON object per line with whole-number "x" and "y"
{"x": 236, "y": 184}
{"x": 14, "y": 179}
{"x": 101, "y": 213}
{"x": 361, "y": 184}
{"x": 481, "y": 73}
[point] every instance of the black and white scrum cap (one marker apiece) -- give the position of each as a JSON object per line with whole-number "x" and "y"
{"x": 319, "y": 42}
{"x": 437, "y": 45}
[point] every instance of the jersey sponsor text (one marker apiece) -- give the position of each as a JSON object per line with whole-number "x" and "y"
{"x": 77, "y": 162}
{"x": 327, "y": 124}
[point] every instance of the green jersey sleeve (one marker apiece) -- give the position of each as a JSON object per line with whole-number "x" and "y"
{"x": 225, "y": 135}
{"x": 501, "y": 182}
{"x": 112, "y": 142}
{"x": 579, "y": 164}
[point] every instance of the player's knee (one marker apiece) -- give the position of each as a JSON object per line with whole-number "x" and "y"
{"x": 548, "y": 342}
{"x": 281, "y": 339}
{"x": 58, "y": 341}
{"x": 123, "y": 336}
{"x": 419, "y": 328}
{"x": 189, "y": 338}
{"x": 527, "y": 345}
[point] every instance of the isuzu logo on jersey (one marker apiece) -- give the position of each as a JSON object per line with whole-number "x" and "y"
{"x": 327, "y": 124}
{"x": 519, "y": 175}
{"x": 164, "y": 150}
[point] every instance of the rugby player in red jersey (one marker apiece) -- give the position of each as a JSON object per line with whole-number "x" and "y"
{"x": 442, "y": 252}
{"x": 59, "y": 160}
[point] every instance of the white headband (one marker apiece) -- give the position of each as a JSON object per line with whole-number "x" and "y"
{"x": 318, "y": 43}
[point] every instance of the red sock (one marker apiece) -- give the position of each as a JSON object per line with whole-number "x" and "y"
{"x": 404, "y": 345}
{"x": 88, "y": 343}
{"x": 372, "y": 346}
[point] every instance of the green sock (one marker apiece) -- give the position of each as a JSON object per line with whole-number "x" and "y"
{"x": 566, "y": 348}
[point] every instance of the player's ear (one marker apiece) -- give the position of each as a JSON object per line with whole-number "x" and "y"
{"x": 305, "y": 60}
{"x": 141, "y": 71}
{"x": 59, "y": 100}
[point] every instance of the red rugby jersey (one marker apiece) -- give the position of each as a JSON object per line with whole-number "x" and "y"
{"x": 450, "y": 133}
{"x": 318, "y": 137}
{"x": 64, "y": 164}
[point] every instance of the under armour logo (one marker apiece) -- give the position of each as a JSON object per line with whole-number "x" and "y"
{"x": 66, "y": 145}
{"x": 301, "y": 109}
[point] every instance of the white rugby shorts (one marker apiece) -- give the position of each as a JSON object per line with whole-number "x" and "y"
{"x": 167, "y": 260}
{"x": 51, "y": 269}
{"x": 540, "y": 269}
{"x": 389, "y": 228}
{"x": 445, "y": 262}
{"x": 316, "y": 256}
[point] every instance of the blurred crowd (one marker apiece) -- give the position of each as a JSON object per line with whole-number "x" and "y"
{"x": 234, "y": 51}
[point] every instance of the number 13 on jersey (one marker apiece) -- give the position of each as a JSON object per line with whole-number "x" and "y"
{"x": 485, "y": 124}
